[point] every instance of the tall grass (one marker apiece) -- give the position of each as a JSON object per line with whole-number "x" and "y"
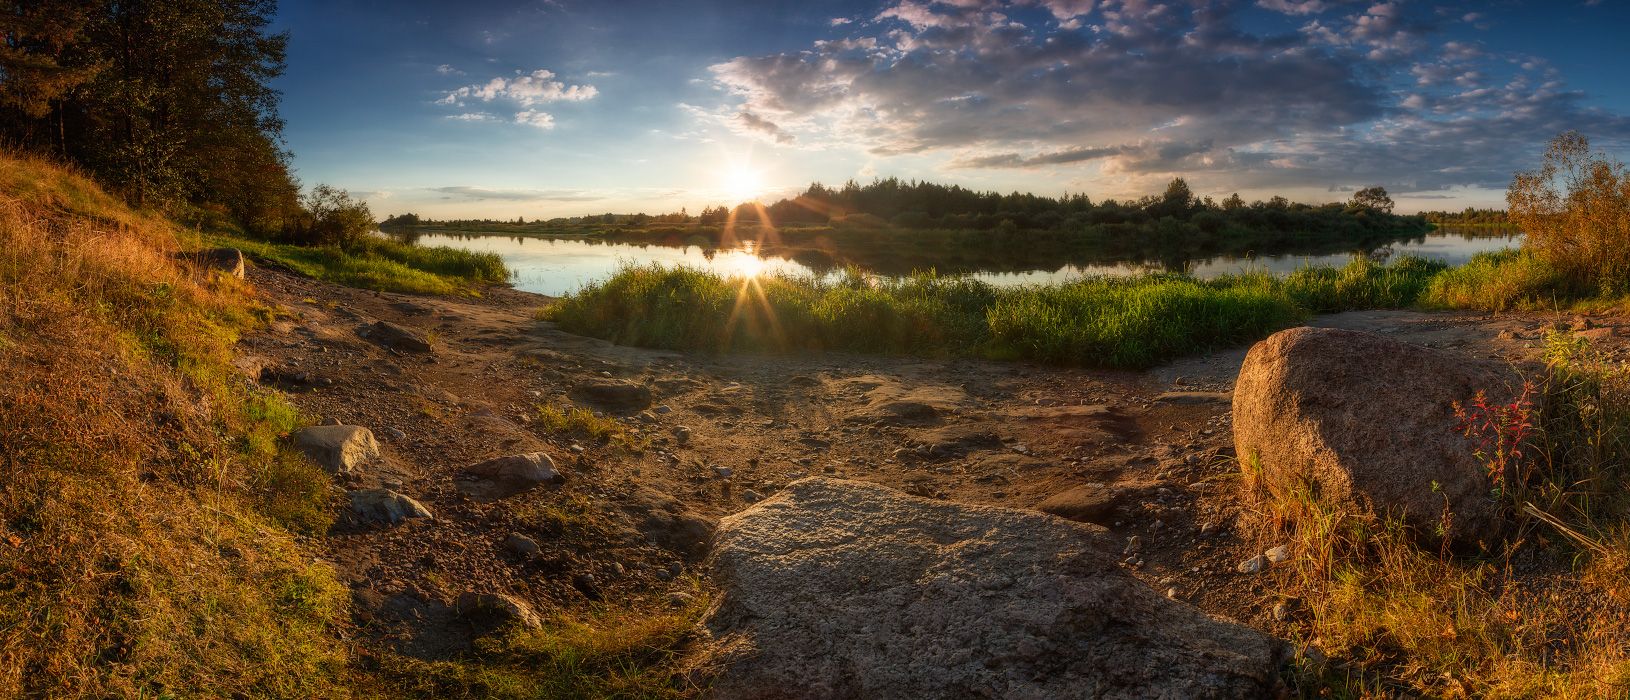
{"x": 379, "y": 263}
{"x": 1096, "y": 321}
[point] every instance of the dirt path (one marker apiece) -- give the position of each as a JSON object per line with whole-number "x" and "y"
{"x": 1151, "y": 451}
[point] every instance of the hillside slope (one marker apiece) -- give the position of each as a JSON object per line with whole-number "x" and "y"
{"x": 148, "y": 544}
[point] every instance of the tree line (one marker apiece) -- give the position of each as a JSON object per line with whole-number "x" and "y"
{"x": 169, "y": 104}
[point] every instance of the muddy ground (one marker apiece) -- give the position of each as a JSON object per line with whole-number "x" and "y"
{"x": 629, "y": 524}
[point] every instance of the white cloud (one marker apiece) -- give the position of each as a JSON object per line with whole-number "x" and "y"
{"x": 525, "y": 89}
{"x": 473, "y": 117}
{"x": 534, "y": 118}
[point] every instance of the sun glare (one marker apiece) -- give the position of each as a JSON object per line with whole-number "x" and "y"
{"x": 742, "y": 183}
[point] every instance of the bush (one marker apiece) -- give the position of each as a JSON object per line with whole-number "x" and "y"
{"x": 330, "y": 216}
{"x": 1575, "y": 211}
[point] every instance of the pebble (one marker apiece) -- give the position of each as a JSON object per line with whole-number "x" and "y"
{"x": 662, "y": 410}
{"x": 1252, "y": 565}
{"x": 723, "y": 472}
{"x": 521, "y": 545}
{"x": 1278, "y": 554}
{"x": 751, "y": 496}
{"x": 682, "y": 434}
{"x": 1172, "y": 593}
{"x": 393, "y": 434}
{"x": 679, "y": 599}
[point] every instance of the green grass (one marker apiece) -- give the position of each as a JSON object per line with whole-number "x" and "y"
{"x": 583, "y": 424}
{"x": 1095, "y": 321}
{"x": 378, "y": 263}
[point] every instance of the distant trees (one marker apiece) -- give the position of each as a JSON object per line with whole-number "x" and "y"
{"x": 1469, "y": 215}
{"x": 1374, "y": 198}
{"x": 169, "y": 103}
{"x": 1575, "y": 212}
{"x": 330, "y": 216}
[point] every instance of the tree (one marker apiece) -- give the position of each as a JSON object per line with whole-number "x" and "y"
{"x": 331, "y": 217}
{"x": 1374, "y": 198}
{"x": 1575, "y": 212}
{"x": 1233, "y": 203}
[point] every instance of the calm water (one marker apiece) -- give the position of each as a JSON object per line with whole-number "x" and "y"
{"x": 558, "y": 266}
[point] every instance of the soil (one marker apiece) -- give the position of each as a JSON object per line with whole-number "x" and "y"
{"x": 628, "y": 525}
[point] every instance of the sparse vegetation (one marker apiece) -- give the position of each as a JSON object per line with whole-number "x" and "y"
{"x": 583, "y": 424}
{"x": 378, "y": 263}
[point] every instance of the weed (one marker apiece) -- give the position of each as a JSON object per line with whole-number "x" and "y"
{"x": 584, "y": 424}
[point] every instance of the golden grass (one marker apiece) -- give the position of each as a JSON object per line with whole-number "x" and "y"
{"x": 585, "y": 425}
{"x": 144, "y": 547}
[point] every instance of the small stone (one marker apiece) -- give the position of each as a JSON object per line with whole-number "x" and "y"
{"x": 751, "y": 496}
{"x": 522, "y": 545}
{"x": 1252, "y": 565}
{"x": 1281, "y": 611}
{"x": 1172, "y": 593}
{"x": 680, "y": 599}
{"x": 723, "y": 472}
{"x": 393, "y": 434}
{"x": 396, "y": 337}
{"x": 1278, "y": 554}
{"x": 384, "y": 506}
{"x": 682, "y": 434}
{"x": 499, "y": 608}
{"x": 662, "y": 410}
{"x": 341, "y": 449}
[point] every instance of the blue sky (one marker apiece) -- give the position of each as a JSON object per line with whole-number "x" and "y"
{"x": 559, "y": 107}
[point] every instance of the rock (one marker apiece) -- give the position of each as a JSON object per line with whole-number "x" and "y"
{"x": 667, "y": 522}
{"x": 1278, "y": 555}
{"x": 497, "y": 609}
{"x": 839, "y": 589}
{"x": 227, "y": 260}
{"x": 1367, "y": 422}
{"x": 1194, "y": 398}
{"x": 613, "y": 395}
{"x": 384, "y": 507}
{"x": 1597, "y": 335}
{"x": 341, "y": 449}
{"x": 393, "y": 434}
{"x": 396, "y": 337}
{"x": 521, "y": 545}
{"x": 681, "y": 434}
{"x": 723, "y": 472}
{"x": 662, "y": 410}
{"x": 502, "y": 477}
{"x": 1283, "y": 609}
{"x": 1089, "y": 503}
{"x": 1252, "y": 565}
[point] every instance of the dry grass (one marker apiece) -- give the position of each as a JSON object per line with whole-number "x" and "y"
{"x": 144, "y": 546}
{"x": 583, "y": 424}
{"x": 1546, "y": 615}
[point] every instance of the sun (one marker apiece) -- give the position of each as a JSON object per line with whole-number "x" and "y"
{"x": 741, "y": 183}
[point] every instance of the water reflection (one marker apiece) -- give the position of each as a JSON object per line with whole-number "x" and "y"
{"x": 556, "y": 266}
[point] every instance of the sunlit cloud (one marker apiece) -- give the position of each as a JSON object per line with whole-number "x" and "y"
{"x": 525, "y": 89}
{"x": 535, "y": 119}
{"x": 476, "y": 194}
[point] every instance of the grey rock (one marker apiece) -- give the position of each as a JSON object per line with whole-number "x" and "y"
{"x": 1367, "y": 422}
{"x": 1278, "y": 554}
{"x": 1252, "y": 565}
{"x": 614, "y": 395}
{"x": 341, "y": 449}
{"x": 227, "y": 260}
{"x": 839, "y": 589}
{"x": 396, "y": 337}
{"x": 497, "y": 609}
{"x": 384, "y": 507}
{"x": 502, "y": 477}
{"x": 682, "y": 434}
{"x": 521, "y": 545}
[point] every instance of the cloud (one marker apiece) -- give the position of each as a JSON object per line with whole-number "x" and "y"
{"x": 473, "y": 117}
{"x": 755, "y": 123}
{"x": 445, "y": 69}
{"x": 536, "y": 119}
{"x": 524, "y": 89}
{"x": 476, "y": 194}
{"x": 1340, "y": 92}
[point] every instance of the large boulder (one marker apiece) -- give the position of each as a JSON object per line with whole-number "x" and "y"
{"x": 341, "y": 449}
{"x": 839, "y": 589}
{"x": 227, "y": 260}
{"x": 1367, "y": 422}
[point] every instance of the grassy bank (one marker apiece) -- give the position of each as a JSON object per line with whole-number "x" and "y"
{"x": 1110, "y": 322}
{"x": 147, "y": 543}
{"x": 378, "y": 263}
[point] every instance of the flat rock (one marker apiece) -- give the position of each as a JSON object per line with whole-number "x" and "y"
{"x": 341, "y": 449}
{"x": 496, "y": 609}
{"x": 396, "y": 337}
{"x": 615, "y": 395}
{"x": 667, "y": 522}
{"x": 838, "y": 589}
{"x": 506, "y": 476}
{"x": 1367, "y": 422}
{"x": 1088, "y": 503}
{"x": 384, "y": 507}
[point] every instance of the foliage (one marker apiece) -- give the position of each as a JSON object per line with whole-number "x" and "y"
{"x": 1096, "y": 321}
{"x": 379, "y": 263}
{"x": 170, "y": 102}
{"x": 1373, "y": 198}
{"x": 329, "y": 216}
{"x": 584, "y": 424}
{"x": 1575, "y": 210}
{"x": 1501, "y": 281}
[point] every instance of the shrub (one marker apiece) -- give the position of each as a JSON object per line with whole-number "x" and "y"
{"x": 1575, "y": 211}
{"x": 330, "y": 216}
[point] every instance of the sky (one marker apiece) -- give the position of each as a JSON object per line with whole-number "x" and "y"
{"x": 545, "y": 108}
